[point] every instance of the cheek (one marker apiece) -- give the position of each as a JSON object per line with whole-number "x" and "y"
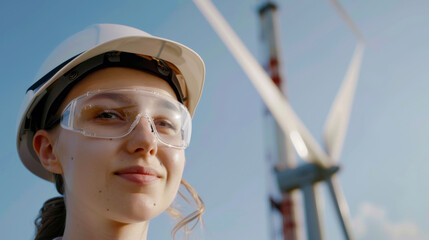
{"x": 86, "y": 163}
{"x": 174, "y": 163}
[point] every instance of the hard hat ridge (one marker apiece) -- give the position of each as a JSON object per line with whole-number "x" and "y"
{"x": 85, "y": 40}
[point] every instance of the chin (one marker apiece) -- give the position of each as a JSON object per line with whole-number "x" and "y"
{"x": 138, "y": 216}
{"x": 136, "y": 211}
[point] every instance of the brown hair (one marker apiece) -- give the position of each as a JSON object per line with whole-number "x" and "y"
{"x": 52, "y": 216}
{"x": 50, "y": 223}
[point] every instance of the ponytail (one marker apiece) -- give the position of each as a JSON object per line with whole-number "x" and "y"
{"x": 50, "y": 222}
{"x": 195, "y": 216}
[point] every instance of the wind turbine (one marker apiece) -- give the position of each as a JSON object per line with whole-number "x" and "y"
{"x": 322, "y": 164}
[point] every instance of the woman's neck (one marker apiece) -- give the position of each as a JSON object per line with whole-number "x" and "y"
{"x": 81, "y": 223}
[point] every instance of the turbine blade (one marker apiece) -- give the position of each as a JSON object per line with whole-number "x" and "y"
{"x": 304, "y": 143}
{"x": 346, "y": 17}
{"x": 341, "y": 206}
{"x": 338, "y": 119}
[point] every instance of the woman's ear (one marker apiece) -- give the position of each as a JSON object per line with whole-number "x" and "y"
{"x": 43, "y": 144}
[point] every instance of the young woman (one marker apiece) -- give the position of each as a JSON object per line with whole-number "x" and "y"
{"x": 108, "y": 121}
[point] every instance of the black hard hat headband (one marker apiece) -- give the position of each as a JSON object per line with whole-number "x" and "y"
{"x": 58, "y": 91}
{"x": 118, "y": 59}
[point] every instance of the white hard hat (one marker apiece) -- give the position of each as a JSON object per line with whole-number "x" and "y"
{"x": 85, "y": 45}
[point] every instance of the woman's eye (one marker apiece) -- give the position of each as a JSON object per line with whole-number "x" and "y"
{"x": 164, "y": 125}
{"x": 108, "y": 115}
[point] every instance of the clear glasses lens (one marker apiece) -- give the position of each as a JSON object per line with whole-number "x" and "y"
{"x": 115, "y": 113}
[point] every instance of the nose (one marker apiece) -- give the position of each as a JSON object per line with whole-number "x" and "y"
{"x": 142, "y": 139}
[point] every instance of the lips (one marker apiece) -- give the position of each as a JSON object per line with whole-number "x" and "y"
{"x": 139, "y": 175}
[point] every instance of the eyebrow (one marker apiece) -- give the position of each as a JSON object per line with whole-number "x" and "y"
{"x": 112, "y": 96}
{"x": 169, "y": 105}
{"x": 124, "y": 99}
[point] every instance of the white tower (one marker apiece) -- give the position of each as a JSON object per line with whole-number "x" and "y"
{"x": 279, "y": 151}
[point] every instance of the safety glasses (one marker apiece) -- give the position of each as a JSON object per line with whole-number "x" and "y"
{"x": 115, "y": 113}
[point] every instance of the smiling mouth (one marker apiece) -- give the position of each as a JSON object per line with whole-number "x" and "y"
{"x": 138, "y": 174}
{"x": 139, "y": 178}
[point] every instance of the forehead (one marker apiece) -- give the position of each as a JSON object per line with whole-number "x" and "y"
{"x": 117, "y": 78}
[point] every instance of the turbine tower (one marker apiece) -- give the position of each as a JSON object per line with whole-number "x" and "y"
{"x": 279, "y": 151}
{"x": 322, "y": 164}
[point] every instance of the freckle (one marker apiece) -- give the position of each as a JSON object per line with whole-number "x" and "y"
{"x": 72, "y": 158}
{"x": 154, "y": 204}
{"x": 110, "y": 139}
{"x": 99, "y": 191}
{"x": 108, "y": 209}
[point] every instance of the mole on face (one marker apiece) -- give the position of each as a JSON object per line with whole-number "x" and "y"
{"x": 99, "y": 191}
{"x": 154, "y": 204}
{"x": 107, "y": 209}
{"x": 72, "y": 158}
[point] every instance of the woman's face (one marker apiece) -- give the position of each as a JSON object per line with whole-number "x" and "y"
{"x": 96, "y": 171}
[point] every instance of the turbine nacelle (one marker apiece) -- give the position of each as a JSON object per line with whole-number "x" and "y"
{"x": 304, "y": 175}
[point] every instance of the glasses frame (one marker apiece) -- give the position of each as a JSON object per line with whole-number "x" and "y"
{"x": 70, "y": 108}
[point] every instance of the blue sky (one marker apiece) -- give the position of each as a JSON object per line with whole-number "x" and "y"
{"x": 384, "y": 159}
